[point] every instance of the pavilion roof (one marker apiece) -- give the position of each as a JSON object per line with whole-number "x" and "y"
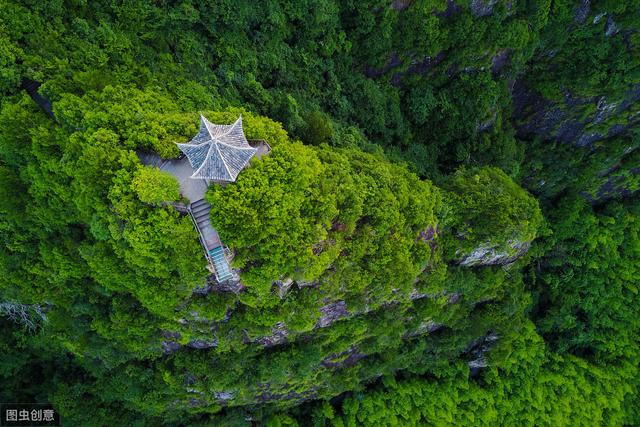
{"x": 218, "y": 152}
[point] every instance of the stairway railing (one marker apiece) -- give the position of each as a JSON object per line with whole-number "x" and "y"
{"x": 220, "y": 276}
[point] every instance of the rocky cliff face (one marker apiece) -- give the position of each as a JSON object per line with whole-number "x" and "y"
{"x": 583, "y": 132}
{"x": 332, "y": 313}
{"x": 596, "y": 121}
{"x": 576, "y": 120}
{"x": 334, "y": 310}
{"x": 494, "y": 254}
{"x": 592, "y": 138}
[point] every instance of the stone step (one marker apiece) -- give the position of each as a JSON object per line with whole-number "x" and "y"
{"x": 201, "y": 216}
{"x": 198, "y": 203}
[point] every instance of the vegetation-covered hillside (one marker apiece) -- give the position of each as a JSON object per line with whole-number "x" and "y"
{"x": 445, "y": 232}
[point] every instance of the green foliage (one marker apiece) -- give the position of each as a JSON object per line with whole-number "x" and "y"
{"x": 589, "y": 286}
{"x": 380, "y": 95}
{"x": 594, "y": 64}
{"x": 316, "y": 215}
{"x": 154, "y": 186}
{"x": 603, "y": 172}
{"x": 534, "y": 389}
{"x": 319, "y": 128}
{"x": 489, "y": 209}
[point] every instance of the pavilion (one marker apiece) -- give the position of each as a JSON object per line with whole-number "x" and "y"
{"x": 218, "y": 152}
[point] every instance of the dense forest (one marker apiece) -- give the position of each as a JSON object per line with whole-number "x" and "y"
{"x": 445, "y": 232}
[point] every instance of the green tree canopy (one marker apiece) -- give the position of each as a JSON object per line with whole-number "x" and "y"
{"x": 155, "y": 186}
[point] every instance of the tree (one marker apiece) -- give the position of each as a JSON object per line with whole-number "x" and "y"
{"x": 155, "y": 186}
{"x": 490, "y": 215}
{"x": 588, "y": 284}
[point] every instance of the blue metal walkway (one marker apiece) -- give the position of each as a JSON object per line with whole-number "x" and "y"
{"x": 223, "y": 271}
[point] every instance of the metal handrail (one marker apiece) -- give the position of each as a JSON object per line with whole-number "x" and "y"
{"x": 202, "y": 242}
